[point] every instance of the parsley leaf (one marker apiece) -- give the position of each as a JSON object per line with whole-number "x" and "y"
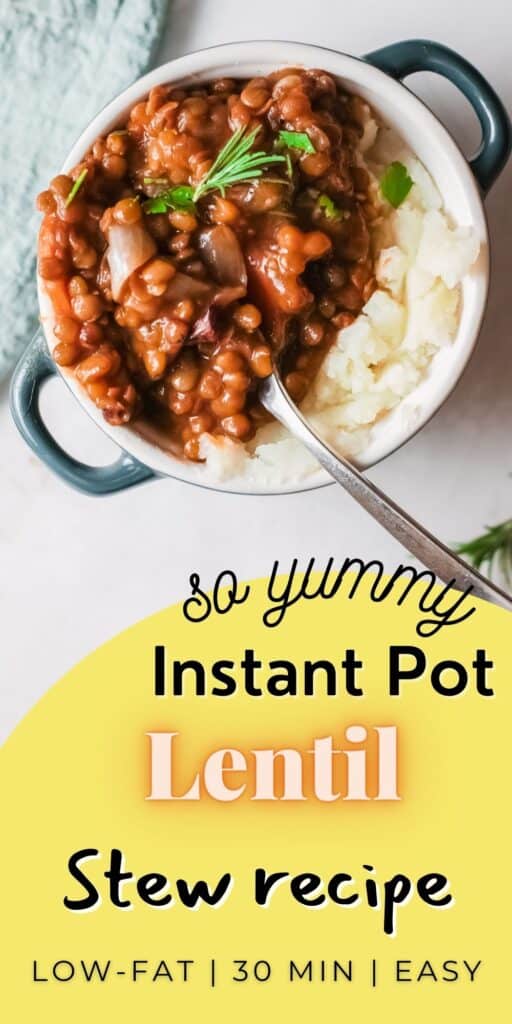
{"x": 396, "y": 184}
{"x": 178, "y": 198}
{"x": 76, "y": 186}
{"x": 331, "y": 211}
{"x": 297, "y": 140}
{"x": 156, "y": 205}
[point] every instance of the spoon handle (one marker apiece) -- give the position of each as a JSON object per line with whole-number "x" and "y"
{"x": 422, "y": 544}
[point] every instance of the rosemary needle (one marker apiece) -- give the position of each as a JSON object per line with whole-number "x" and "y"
{"x": 492, "y": 548}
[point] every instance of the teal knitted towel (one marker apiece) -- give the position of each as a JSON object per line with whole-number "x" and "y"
{"x": 61, "y": 61}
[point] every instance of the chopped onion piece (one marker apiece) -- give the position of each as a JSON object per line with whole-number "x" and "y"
{"x": 184, "y": 286}
{"x": 130, "y": 245}
{"x": 221, "y": 253}
{"x": 230, "y": 293}
{"x": 206, "y": 327}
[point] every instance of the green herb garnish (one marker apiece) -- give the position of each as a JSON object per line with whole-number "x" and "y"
{"x": 234, "y": 164}
{"x": 396, "y": 184}
{"x": 76, "y": 186}
{"x": 331, "y": 211}
{"x": 178, "y": 198}
{"x": 297, "y": 140}
{"x": 493, "y": 548}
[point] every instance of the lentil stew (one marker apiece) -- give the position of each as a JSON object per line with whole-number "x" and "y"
{"x": 218, "y": 226}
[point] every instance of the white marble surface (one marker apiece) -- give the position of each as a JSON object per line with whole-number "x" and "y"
{"x": 74, "y": 570}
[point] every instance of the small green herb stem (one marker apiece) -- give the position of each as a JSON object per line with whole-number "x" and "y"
{"x": 492, "y": 547}
{"x": 76, "y": 186}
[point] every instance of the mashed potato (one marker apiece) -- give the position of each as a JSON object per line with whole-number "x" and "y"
{"x": 421, "y": 260}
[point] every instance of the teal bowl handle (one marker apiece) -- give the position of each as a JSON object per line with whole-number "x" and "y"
{"x": 34, "y": 367}
{"x": 404, "y": 58}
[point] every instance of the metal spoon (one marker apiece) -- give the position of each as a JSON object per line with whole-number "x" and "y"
{"x": 430, "y": 551}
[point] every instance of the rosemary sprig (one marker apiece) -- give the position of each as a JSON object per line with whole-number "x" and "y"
{"x": 492, "y": 548}
{"x": 235, "y": 163}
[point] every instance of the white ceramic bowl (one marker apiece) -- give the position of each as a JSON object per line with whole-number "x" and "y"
{"x": 422, "y": 132}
